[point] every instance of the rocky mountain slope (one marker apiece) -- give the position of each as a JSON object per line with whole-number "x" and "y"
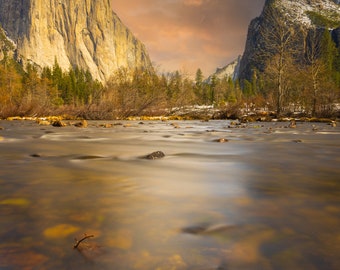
{"x": 303, "y": 15}
{"x": 230, "y": 71}
{"x": 82, "y": 33}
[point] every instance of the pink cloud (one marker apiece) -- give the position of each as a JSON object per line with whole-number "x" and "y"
{"x": 190, "y": 34}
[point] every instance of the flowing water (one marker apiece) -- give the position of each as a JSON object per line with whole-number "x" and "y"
{"x": 268, "y": 197}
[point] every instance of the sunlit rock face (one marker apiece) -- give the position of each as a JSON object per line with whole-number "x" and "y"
{"x": 82, "y": 33}
{"x": 229, "y": 71}
{"x": 298, "y": 14}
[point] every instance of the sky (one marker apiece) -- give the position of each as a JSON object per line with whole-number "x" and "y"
{"x": 186, "y": 35}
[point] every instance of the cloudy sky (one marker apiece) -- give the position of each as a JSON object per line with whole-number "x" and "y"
{"x": 189, "y": 34}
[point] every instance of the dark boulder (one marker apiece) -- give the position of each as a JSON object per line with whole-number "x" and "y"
{"x": 58, "y": 123}
{"x": 155, "y": 155}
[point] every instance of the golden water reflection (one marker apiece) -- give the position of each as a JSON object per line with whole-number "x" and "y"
{"x": 259, "y": 203}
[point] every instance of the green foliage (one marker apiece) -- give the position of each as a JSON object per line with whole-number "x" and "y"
{"x": 329, "y": 55}
{"x": 26, "y": 92}
{"x": 76, "y": 86}
{"x": 247, "y": 88}
{"x": 199, "y": 90}
{"x": 330, "y": 20}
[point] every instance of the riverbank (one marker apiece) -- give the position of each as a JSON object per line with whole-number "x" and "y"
{"x": 65, "y": 120}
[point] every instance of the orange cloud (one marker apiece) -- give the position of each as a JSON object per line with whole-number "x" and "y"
{"x": 193, "y": 2}
{"x": 193, "y": 34}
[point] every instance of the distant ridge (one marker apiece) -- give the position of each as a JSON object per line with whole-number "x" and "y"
{"x": 229, "y": 71}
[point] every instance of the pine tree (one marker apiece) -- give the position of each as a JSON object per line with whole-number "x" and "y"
{"x": 198, "y": 89}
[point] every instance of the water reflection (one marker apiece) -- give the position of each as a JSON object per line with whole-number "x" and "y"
{"x": 258, "y": 201}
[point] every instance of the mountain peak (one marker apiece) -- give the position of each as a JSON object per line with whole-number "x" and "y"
{"x": 77, "y": 33}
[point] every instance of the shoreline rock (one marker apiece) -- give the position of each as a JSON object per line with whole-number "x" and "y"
{"x": 203, "y": 117}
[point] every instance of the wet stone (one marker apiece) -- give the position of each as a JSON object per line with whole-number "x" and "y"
{"x": 196, "y": 229}
{"x": 292, "y": 124}
{"x": 201, "y": 229}
{"x": 36, "y": 155}
{"x": 88, "y": 157}
{"x": 58, "y": 123}
{"x": 82, "y": 124}
{"x": 155, "y": 155}
{"x": 106, "y": 125}
{"x": 221, "y": 140}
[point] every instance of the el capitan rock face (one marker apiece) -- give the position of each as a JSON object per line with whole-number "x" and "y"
{"x": 297, "y": 13}
{"x": 82, "y": 33}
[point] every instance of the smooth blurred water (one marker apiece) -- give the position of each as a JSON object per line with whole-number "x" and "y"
{"x": 269, "y": 198}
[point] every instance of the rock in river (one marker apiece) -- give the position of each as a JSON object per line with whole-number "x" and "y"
{"x": 58, "y": 123}
{"x": 221, "y": 140}
{"x": 82, "y": 124}
{"x": 154, "y": 155}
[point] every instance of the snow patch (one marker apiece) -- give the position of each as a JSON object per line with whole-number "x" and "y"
{"x": 297, "y": 10}
{"x": 229, "y": 71}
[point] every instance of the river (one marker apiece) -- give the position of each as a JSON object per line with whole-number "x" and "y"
{"x": 259, "y": 196}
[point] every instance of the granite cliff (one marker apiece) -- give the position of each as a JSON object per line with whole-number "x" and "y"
{"x": 77, "y": 33}
{"x": 229, "y": 71}
{"x": 302, "y": 15}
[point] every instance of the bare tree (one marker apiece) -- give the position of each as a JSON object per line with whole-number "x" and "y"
{"x": 278, "y": 47}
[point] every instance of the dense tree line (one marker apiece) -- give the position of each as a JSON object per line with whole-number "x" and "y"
{"x": 296, "y": 79}
{"x": 31, "y": 91}
{"x": 136, "y": 92}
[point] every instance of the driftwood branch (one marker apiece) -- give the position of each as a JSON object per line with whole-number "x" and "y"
{"x": 81, "y": 240}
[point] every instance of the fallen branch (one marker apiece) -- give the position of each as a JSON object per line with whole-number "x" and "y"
{"x": 81, "y": 240}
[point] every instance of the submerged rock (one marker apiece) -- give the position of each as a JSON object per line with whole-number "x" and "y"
{"x": 106, "y": 125}
{"x": 155, "y": 155}
{"x": 208, "y": 229}
{"x": 175, "y": 125}
{"x": 82, "y": 124}
{"x": 221, "y": 140}
{"x": 58, "y": 123}
{"x": 88, "y": 157}
{"x": 292, "y": 124}
{"x": 35, "y": 155}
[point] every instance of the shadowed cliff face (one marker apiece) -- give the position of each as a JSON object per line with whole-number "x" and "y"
{"x": 83, "y": 33}
{"x": 14, "y": 17}
{"x": 295, "y": 13}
